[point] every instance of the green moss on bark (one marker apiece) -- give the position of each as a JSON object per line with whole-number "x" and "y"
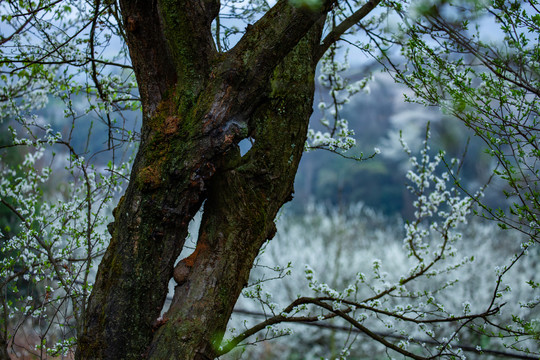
{"x": 243, "y": 199}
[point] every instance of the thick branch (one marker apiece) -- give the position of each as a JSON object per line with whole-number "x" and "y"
{"x": 150, "y": 56}
{"x": 270, "y": 39}
{"x": 187, "y": 27}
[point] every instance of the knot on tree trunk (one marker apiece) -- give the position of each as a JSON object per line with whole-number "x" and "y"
{"x": 181, "y": 272}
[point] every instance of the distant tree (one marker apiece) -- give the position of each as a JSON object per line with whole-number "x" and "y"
{"x": 199, "y": 98}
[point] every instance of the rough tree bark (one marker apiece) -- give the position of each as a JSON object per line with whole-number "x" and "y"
{"x": 197, "y": 105}
{"x": 243, "y": 200}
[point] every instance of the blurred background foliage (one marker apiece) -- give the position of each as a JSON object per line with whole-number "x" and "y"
{"x": 377, "y": 118}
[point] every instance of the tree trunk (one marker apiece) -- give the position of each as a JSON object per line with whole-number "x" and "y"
{"x": 197, "y": 105}
{"x": 243, "y": 200}
{"x": 3, "y": 348}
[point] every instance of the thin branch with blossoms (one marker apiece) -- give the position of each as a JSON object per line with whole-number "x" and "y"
{"x": 51, "y": 254}
{"x": 429, "y": 241}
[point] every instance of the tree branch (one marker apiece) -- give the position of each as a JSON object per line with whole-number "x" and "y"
{"x": 187, "y": 25}
{"x": 270, "y": 39}
{"x": 465, "y": 347}
{"x": 339, "y": 30}
{"x": 150, "y": 55}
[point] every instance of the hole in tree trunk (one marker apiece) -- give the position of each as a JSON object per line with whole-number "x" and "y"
{"x": 245, "y": 145}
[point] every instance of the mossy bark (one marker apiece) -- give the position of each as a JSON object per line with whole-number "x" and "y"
{"x": 197, "y": 105}
{"x": 243, "y": 200}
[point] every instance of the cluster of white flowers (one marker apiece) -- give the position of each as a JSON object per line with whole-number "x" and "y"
{"x": 402, "y": 292}
{"x": 336, "y": 134}
{"x": 341, "y": 140}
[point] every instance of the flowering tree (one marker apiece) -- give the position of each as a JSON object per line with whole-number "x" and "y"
{"x": 411, "y": 297}
{"x": 326, "y": 234}
{"x": 492, "y": 88}
{"x": 47, "y": 259}
{"x": 199, "y": 97}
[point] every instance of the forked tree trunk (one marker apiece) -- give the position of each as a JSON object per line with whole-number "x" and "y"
{"x": 243, "y": 200}
{"x": 197, "y": 105}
